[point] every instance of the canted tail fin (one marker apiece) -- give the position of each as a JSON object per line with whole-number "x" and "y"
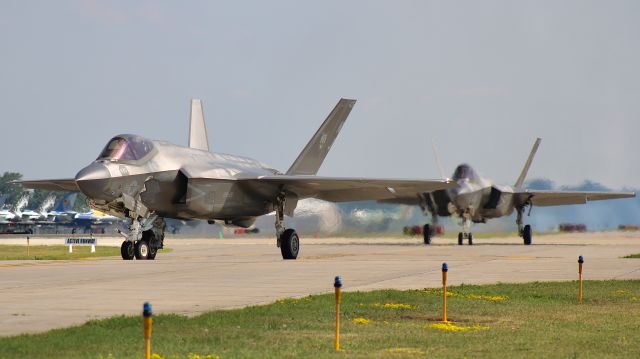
{"x": 527, "y": 164}
{"x": 438, "y": 163}
{"x": 66, "y": 203}
{"x": 312, "y": 156}
{"x": 197, "y": 129}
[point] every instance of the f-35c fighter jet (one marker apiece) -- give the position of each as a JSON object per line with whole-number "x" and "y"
{"x": 476, "y": 199}
{"x": 146, "y": 181}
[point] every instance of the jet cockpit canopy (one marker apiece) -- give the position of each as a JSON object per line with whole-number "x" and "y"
{"x": 126, "y": 148}
{"x": 464, "y": 171}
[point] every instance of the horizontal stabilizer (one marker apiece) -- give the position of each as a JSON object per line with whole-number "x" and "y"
{"x": 312, "y": 156}
{"x": 197, "y": 129}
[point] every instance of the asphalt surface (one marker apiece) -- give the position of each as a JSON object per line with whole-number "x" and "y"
{"x": 204, "y": 274}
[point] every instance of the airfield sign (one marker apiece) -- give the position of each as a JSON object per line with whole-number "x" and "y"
{"x": 81, "y": 241}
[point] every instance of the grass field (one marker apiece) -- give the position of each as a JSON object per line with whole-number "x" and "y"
{"x": 499, "y": 321}
{"x": 637, "y": 255}
{"x": 13, "y": 252}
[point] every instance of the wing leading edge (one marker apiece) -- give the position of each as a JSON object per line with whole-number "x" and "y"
{"x": 68, "y": 185}
{"x": 559, "y": 198}
{"x": 343, "y": 189}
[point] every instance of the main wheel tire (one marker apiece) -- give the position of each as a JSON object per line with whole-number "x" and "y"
{"x": 142, "y": 249}
{"x": 470, "y": 239}
{"x": 526, "y": 235}
{"x": 426, "y": 234}
{"x": 149, "y": 237}
{"x": 460, "y": 239}
{"x": 153, "y": 251}
{"x": 126, "y": 250}
{"x": 289, "y": 244}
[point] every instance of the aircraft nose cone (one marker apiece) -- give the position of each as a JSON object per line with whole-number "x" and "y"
{"x": 93, "y": 181}
{"x": 94, "y": 171}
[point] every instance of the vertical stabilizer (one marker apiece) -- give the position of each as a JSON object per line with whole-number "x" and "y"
{"x": 314, "y": 153}
{"x": 197, "y": 129}
{"x": 438, "y": 163}
{"x": 66, "y": 203}
{"x": 523, "y": 174}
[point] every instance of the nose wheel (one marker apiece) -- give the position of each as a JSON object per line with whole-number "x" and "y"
{"x": 465, "y": 234}
{"x": 462, "y": 236}
{"x": 147, "y": 246}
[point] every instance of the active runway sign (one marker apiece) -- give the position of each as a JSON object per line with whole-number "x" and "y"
{"x": 81, "y": 241}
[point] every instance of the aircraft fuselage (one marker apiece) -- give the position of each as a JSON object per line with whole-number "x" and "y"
{"x": 481, "y": 200}
{"x": 167, "y": 180}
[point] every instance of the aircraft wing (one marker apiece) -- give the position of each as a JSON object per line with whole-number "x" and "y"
{"x": 559, "y": 198}
{"x": 344, "y": 189}
{"x": 67, "y": 185}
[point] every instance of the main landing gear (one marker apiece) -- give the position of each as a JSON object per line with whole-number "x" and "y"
{"x": 427, "y": 233}
{"x": 287, "y": 239}
{"x": 524, "y": 231}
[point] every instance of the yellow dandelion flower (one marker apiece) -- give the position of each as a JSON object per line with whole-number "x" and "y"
{"x": 360, "y": 320}
{"x": 156, "y": 356}
{"x": 393, "y": 306}
{"x": 450, "y": 327}
{"x": 489, "y": 298}
{"x": 202, "y": 356}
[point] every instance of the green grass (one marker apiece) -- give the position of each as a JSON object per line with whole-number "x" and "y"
{"x": 536, "y": 320}
{"x": 14, "y": 252}
{"x": 637, "y": 255}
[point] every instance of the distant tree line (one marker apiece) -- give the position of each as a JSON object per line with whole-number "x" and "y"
{"x": 14, "y": 191}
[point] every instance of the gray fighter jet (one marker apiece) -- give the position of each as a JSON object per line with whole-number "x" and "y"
{"x": 476, "y": 199}
{"x": 146, "y": 181}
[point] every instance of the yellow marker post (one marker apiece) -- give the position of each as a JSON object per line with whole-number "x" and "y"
{"x": 337, "y": 284}
{"x": 580, "y": 261}
{"x": 445, "y": 269}
{"x": 148, "y": 323}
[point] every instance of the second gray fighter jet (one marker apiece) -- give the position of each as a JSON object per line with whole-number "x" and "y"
{"x": 476, "y": 199}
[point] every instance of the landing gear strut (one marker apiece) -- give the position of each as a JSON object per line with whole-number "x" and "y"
{"x": 523, "y": 231}
{"x": 287, "y": 239}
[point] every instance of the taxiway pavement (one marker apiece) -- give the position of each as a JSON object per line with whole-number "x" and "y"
{"x": 205, "y": 274}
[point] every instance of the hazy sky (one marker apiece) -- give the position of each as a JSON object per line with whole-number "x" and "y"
{"x": 482, "y": 79}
